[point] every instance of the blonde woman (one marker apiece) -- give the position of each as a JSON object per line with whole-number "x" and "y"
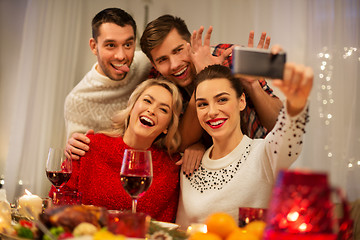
{"x": 150, "y": 122}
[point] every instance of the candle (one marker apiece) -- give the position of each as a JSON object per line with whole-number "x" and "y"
{"x": 5, "y": 212}
{"x": 196, "y": 227}
{"x": 32, "y": 202}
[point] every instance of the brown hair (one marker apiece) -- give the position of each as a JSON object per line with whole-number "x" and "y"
{"x": 219, "y": 71}
{"x": 156, "y": 31}
{"x": 112, "y": 15}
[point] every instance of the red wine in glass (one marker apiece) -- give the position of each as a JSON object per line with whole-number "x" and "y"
{"x": 134, "y": 185}
{"x": 136, "y": 173}
{"x": 58, "y": 169}
{"x": 58, "y": 178}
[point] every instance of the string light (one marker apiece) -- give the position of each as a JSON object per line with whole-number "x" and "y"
{"x": 349, "y": 51}
{"x": 325, "y": 93}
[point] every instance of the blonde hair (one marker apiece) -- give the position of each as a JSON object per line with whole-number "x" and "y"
{"x": 170, "y": 141}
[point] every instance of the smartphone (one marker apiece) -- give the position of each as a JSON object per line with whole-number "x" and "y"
{"x": 257, "y": 62}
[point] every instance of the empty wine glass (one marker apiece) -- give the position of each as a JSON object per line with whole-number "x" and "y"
{"x": 136, "y": 173}
{"x": 58, "y": 169}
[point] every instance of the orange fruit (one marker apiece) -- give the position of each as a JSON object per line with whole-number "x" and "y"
{"x": 242, "y": 234}
{"x": 204, "y": 236}
{"x": 256, "y": 227}
{"x": 221, "y": 224}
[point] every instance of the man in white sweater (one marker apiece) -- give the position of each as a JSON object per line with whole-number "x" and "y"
{"x": 106, "y": 88}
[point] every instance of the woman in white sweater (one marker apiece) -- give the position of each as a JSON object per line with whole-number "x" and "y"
{"x": 237, "y": 171}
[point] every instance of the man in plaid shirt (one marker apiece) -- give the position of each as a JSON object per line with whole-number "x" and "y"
{"x": 166, "y": 42}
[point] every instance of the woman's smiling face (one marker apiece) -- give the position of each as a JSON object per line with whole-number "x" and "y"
{"x": 218, "y": 108}
{"x": 151, "y": 113}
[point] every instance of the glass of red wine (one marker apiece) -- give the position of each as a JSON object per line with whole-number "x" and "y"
{"x": 136, "y": 173}
{"x": 58, "y": 169}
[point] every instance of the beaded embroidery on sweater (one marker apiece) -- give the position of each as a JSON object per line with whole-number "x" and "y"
{"x": 207, "y": 179}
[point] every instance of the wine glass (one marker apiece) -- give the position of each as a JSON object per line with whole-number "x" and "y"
{"x": 136, "y": 173}
{"x": 58, "y": 169}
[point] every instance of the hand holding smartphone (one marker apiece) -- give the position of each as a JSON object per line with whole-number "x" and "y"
{"x": 257, "y": 63}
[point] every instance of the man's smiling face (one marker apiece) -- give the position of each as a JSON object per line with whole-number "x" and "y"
{"x": 114, "y": 48}
{"x": 172, "y": 59}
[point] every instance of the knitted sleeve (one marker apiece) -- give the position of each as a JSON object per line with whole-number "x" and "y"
{"x": 284, "y": 143}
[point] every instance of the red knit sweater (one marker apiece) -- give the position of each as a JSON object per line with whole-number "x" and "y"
{"x": 97, "y": 177}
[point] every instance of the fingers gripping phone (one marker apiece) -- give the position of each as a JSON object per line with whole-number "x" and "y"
{"x": 257, "y": 62}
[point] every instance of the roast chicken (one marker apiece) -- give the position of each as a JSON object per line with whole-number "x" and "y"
{"x": 70, "y": 216}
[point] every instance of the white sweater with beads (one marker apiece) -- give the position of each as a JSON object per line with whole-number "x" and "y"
{"x": 244, "y": 177}
{"x": 96, "y": 98}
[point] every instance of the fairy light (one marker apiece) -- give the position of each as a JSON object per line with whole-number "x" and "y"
{"x": 348, "y": 52}
{"x": 325, "y": 93}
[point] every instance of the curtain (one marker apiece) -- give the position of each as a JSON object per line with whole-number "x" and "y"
{"x": 44, "y": 77}
{"x": 323, "y": 34}
{"x": 333, "y": 135}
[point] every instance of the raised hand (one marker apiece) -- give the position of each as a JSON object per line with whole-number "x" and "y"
{"x": 264, "y": 42}
{"x": 201, "y": 53}
{"x": 296, "y": 86}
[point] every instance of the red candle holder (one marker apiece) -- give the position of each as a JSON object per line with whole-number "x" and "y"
{"x": 301, "y": 208}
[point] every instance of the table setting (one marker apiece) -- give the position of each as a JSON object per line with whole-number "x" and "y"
{"x": 65, "y": 217}
{"x": 300, "y": 208}
{"x": 86, "y": 222}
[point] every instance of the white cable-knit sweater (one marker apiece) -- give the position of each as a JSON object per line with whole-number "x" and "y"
{"x": 244, "y": 177}
{"x": 96, "y": 98}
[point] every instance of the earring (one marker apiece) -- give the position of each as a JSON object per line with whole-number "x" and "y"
{"x": 165, "y": 131}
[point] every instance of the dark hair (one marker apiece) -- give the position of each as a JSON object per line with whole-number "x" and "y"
{"x": 219, "y": 71}
{"x": 156, "y": 31}
{"x": 112, "y": 15}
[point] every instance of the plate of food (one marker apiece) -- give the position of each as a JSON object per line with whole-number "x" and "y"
{"x": 80, "y": 222}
